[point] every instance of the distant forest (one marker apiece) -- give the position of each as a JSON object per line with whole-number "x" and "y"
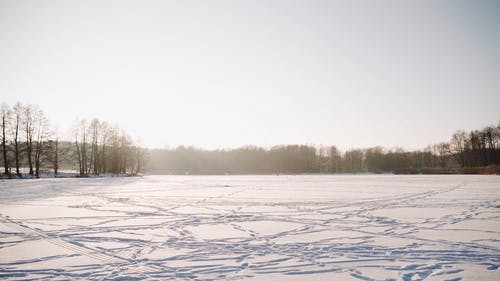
{"x": 475, "y": 152}
{"x": 30, "y": 147}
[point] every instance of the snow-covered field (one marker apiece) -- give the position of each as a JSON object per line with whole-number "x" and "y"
{"x": 251, "y": 228}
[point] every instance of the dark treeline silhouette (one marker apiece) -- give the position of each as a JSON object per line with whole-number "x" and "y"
{"x": 29, "y": 146}
{"x": 465, "y": 153}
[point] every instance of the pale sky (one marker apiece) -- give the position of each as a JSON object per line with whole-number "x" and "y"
{"x": 217, "y": 74}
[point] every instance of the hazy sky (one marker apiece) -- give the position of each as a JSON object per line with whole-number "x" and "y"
{"x": 228, "y": 73}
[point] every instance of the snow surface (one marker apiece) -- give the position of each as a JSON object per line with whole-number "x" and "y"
{"x": 251, "y": 228}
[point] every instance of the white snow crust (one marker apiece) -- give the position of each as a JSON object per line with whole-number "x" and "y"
{"x": 366, "y": 227}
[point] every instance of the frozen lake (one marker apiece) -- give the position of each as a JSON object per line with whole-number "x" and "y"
{"x": 251, "y": 228}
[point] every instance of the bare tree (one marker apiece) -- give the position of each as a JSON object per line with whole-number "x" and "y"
{"x": 458, "y": 144}
{"x": 105, "y": 132}
{"x": 29, "y": 125}
{"x": 80, "y": 165}
{"x": 81, "y": 146}
{"x": 4, "y": 115}
{"x": 42, "y": 134}
{"x": 94, "y": 129}
{"x": 17, "y": 119}
{"x": 54, "y": 154}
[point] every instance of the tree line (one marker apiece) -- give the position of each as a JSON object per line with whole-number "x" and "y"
{"x": 464, "y": 153}
{"x": 30, "y": 146}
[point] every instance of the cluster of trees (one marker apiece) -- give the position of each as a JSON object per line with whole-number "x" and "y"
{"x": 101, "y": 148}
{"x": 24, "y": 138}
{"x": 30, "y": 146}
{"x": 477, "y": 148}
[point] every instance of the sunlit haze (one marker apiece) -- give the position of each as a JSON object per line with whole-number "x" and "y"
{"x": 217, "y": 74}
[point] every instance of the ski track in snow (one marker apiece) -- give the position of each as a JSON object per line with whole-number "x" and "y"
{"x": 251, "y": 228}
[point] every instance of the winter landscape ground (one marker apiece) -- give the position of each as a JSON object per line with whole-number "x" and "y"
{"x": 251, "y": 228}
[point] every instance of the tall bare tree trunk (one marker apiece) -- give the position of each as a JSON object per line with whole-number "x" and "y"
{"x": 80, "y": 164}
{"x": 103, "y": 158}
{"x": 4, "y": 145}
{"x": 84, "y": 152}
{"x": 38, "y": 154}
{"x": 29, "y": 138}
{"x": 16, "y": 145}
{"x": 40, "y": 139}
{"x": 56, "y": 157}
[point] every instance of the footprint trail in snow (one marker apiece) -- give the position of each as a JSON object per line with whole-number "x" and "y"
{"x": 251, "y": 228}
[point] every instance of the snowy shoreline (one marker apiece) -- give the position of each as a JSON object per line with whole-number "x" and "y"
{"x": 63, "y": 176}
{"x": 76, "y": 175}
